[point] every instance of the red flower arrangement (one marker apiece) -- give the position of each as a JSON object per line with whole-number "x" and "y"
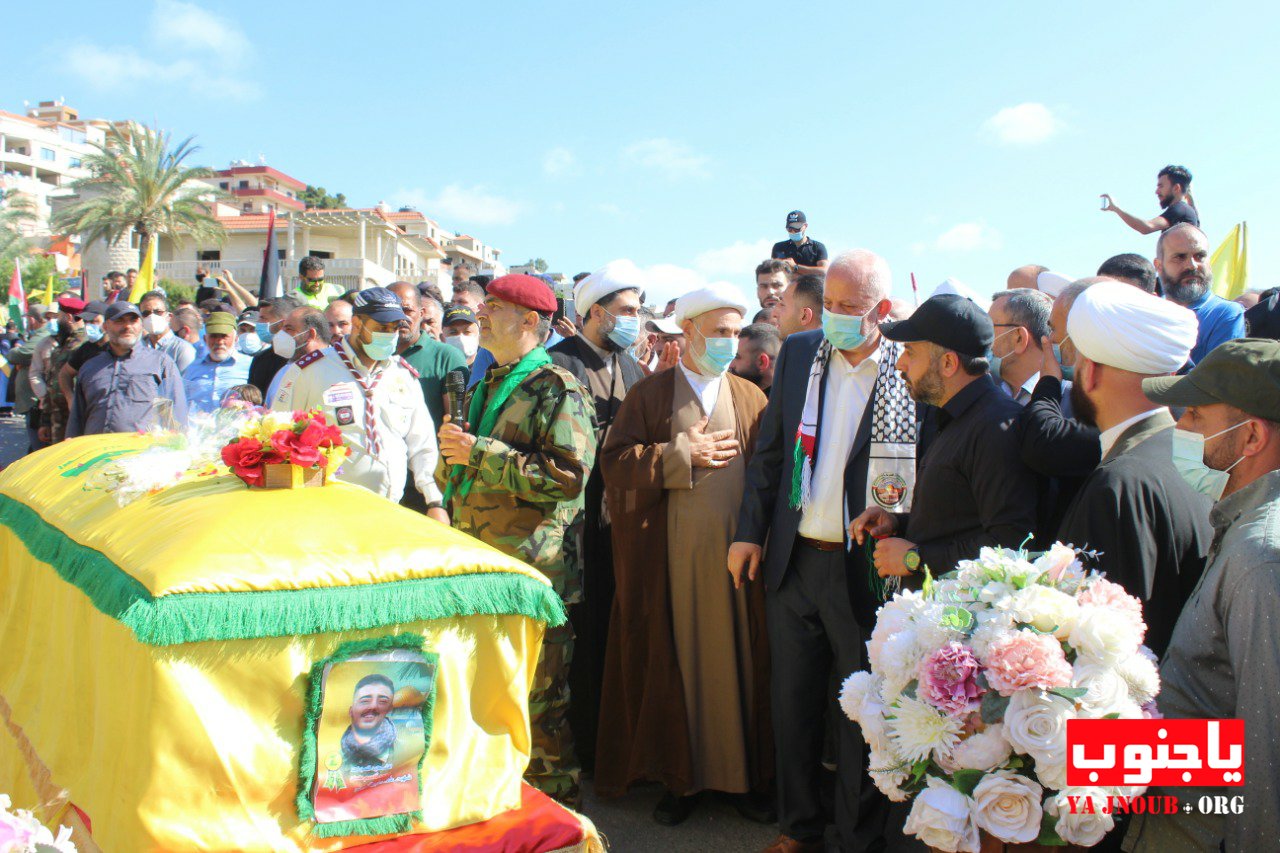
{"x": 304, "y": 439}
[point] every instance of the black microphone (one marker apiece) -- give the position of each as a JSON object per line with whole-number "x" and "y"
{"x": 455, "y": 386}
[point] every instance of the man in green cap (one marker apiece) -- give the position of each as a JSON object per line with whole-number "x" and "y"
{"x": 1223, "y": 660}
{"x": 221, "y": 368}
{"x": 515, "y": 479}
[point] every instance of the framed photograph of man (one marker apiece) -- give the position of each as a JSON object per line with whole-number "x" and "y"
{"x": 369, "y": 728}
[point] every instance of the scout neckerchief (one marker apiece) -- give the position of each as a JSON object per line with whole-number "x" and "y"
{"x": 891, "y": 466}
{"x": 367, "y": 383}
{"x": 485, "y": 411}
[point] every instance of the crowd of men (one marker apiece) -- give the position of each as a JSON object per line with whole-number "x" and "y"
{"x": 723, "y": 495}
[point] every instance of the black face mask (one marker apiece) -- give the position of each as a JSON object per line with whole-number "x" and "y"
{"x": 199, "y": 278}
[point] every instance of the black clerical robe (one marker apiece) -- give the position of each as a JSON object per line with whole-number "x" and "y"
{"x": 1151, "y": 530}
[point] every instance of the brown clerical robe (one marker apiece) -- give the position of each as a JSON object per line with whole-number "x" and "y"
{"x": 686, "y": 685}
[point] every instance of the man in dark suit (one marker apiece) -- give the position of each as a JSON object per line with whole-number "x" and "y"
{"x": 836, "y": 394}
{"x": 266, "y": 364}
{"x": 608, "y": 301}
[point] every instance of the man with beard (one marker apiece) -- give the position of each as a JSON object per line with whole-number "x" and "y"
{"x": 1173, "y": 190}
{"x": 266, "y": 364}
{"x": 126, "y": 387}
{"x": 370, "y": 740}
{"x": 758, "y": 346}
{"x": 515, "y": 477}
{"x": 219, "y": 369}
{"x": 772, "y": 278}
{"x": 312, "y": 289}
{"x": 972, "y": 490}
{"x": 72, "y": 334}
{"x": 1149, "y": 530}
{"x": 608, "y": 301}
{"x": 1182, "y": 261}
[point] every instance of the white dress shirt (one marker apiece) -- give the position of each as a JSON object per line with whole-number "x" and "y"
{"x": 1111, "y": 436}
{"x": 848, "y": 393}
{"x": 706, "y": 387}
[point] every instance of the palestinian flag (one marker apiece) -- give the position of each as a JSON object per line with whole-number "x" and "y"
{"x": 17, "y": 299}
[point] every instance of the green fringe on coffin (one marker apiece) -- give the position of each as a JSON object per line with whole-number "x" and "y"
{"x": 194, "y": 617}
{"x": 387, "y": 824}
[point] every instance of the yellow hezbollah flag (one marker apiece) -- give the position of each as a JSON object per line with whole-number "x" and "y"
{"x": 146, "y": 275}
{"x": 1230, "y": 263}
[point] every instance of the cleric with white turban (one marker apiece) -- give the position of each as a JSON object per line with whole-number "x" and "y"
{"x": 709, "y": 298}
{"x": 1142, "y": 523}
{"x": 1124, "y": 327}
{"x": 609, "y": 279}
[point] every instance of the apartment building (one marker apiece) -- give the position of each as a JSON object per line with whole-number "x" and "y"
{"x": 41, "y": 155}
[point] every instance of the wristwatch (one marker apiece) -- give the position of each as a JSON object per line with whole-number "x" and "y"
{"x": 911, "y": 559}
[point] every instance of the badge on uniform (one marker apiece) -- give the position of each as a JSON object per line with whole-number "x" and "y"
{"x": 342, "y": 394}
{"x": 345, "y": 415}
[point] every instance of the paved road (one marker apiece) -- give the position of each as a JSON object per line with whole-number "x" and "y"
{"x": 13, "y": 439}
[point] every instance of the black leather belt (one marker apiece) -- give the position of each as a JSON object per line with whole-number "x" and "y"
{"x": 820, "y": 544}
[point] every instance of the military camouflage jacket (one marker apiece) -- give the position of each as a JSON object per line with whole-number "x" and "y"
{"x": 54, "y": 412}
{"x": 530, "y": 475}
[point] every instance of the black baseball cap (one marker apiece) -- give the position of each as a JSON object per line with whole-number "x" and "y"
{"x": 458, "y": 314}
{"x": 951, "y": 321}
{"x": 378, "y": 304}
{"x": 95, "y": 309}
{"x": 796, "y": 217}
{"x": 120, "y": 309}
{"x": 1244, "y": 373}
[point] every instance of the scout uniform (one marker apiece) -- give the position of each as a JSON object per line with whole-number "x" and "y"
{"x": 381, "y": 411}
{"x": 522, "y": 491}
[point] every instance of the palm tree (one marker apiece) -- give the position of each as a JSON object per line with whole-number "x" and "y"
{"x": 137, "y": 183}
{"x": 17, "y": 211}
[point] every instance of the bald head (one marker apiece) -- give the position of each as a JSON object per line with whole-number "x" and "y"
{"x": 1183, "y": 234}
{"x": 1062, "y": 308}
{"x": 857, "y": 285}
{"x": 1025, "y": 277}
{"x": 862, "y": 270}
{"x": 406, "y": 293}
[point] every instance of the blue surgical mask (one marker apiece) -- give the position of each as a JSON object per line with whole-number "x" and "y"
{"x": 263, "y": 331}
{"x": 996, "y": 360}
{"x": 714, "y": 359}
{"x": 93, "y": 331}
{"x": 625, "y": 330}
{"x": 53, "y": 327}
{"x": 843, "y": 331}
{"x": 1188, "y": 459}
{"x": 1068, "y": 370}
{"x": 383, "y": 345}
{"x": 796, "y": 237}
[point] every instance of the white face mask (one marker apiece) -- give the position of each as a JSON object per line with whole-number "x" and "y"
{"x": 284, "y": 344}
{"x": 154, "y": 324}
{"x": 467, "y": 343}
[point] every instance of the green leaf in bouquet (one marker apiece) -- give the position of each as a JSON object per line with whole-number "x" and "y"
{"x": 1114, "y": 715}
{"x": 993, "y": 707}
{"x": 1049, "y": 832}
{"x": 965, "y": 781}
{"x": 981, "y": 680}
{"x": 1014, "y": 762}
{"x": 956, "y": 617}
{"x": 910, "y": 690}
{"x": 918, "y": 770}
{"x": 1072, "y": 693}
{"x": 1027, "y": 626}
{"x": 927, "y": 587}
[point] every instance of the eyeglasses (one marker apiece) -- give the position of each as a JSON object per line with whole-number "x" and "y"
{"x": 151, "y": 311}
{"x": 793, "y": 229}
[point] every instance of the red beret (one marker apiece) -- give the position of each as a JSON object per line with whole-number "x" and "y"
{"x": 525, "y": 291}
{"x": 71, "y": 304}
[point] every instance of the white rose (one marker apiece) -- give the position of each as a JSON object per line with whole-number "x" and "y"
{"x": 1103, "y": 637}
{"x": 1036, "y": 723}
{"x": 984, "y": 750}
{"x": 1087, "y": 824}
{"x": 1140, "y": 673}
{"x": 853, "y": 694}
{"x": 1046, "y": 609}
{"x": 1008, "y": 806}
{"x": 860, "y": 701}
{"x": 942, "y": 818}
{"x": 1106, "y": 692}
{"x": 1062, "y": 565}
{"x": 1052, "y": 772}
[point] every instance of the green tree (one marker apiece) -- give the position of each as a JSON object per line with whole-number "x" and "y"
{"x": 138, "y": 183}
{"x": 537, "y": 263}
{"x": 18, "y": 210}
{"x": 314, "y": 197}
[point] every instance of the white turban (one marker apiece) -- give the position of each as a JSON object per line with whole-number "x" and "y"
{"x": 709, "y": 298}
{"x": 610, "y": 278}
{"x": 959, "y": 288}
{"x": 1121, "y": 326}
{"x": 1052, "y": 283}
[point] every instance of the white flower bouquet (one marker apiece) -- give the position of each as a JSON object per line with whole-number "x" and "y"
{"x": 972, "y": 682}
{"x": 22, "y": 832}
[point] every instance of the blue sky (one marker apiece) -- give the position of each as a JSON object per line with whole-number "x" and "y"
{"x": 955, "y": 139}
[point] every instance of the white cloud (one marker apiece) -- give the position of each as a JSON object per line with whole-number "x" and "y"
{"x": 968, "y": 237}
{"x": 667, "y": 156}
{"x": 737, "y": 261}
{"x": 558, "y": 161}
{"x": 472, "y": 205}
{"x": 1026, "y": 124}
{"x": 610, "y": 209}
{"x": 187, "y": 27}
{"x": 177, "y": 30}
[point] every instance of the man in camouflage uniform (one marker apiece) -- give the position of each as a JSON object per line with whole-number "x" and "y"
{"x": 75, "y": 320}
{"x": 515, "y": 479}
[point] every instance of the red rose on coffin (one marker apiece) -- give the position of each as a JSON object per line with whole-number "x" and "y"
{"x": 245, "y": 459}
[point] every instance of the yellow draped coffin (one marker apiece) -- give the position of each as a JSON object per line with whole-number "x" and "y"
{"x": 155, "y": 658}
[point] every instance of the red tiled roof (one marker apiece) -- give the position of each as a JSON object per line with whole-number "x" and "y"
{"x": 261, "y": 170}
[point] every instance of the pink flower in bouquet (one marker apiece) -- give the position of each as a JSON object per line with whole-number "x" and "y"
{"x": 1104, "y": 593}
{"x": 1151, "y": 712}
{"x": 948, "y": 679}
{"x": 1023, "y": 660}
{"x": 295, "y": 448}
